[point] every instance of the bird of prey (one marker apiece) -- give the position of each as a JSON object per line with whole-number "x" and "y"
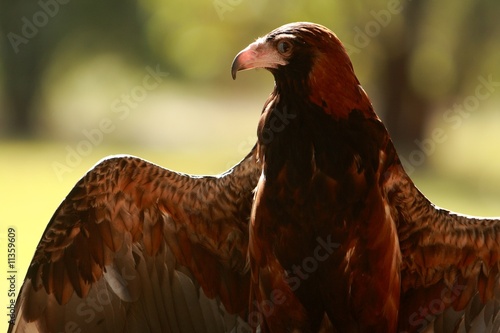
{"x": 318, "y": 229}
{"x": 332, "y": 175}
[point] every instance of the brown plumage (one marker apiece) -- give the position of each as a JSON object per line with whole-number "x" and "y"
{"x": 331, "y": 174}
{"x": 138, "y": 248}
{"x": 335, "y": 237}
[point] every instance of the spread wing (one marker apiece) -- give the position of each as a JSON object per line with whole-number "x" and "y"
{"x": 450, "y": 273}
{"x": 138, "y": 248}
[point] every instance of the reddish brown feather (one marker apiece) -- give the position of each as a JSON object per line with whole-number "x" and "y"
{"x": 111, "y": 237}
{"x": 96, "y": 245}
{"x": 73, "y": 266}
{"x": 487, "y": 283}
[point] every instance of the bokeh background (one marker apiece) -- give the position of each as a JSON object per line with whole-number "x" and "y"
{"x": 83, "y": 79}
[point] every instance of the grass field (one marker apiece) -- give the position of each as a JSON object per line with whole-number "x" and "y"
{"x": 31, "y": 190}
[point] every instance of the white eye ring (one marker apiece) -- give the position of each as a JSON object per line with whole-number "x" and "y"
{"x": 284, "y": 47}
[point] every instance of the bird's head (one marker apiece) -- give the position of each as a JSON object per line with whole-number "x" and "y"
{"x": 307, "y": 59}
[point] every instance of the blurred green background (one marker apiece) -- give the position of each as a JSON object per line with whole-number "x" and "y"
{"x": 80, "y": 80}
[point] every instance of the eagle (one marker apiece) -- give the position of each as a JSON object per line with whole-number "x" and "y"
{"x": 318, "y": 229}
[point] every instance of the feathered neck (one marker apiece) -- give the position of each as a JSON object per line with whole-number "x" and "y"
{"x": 336, "y": 88}
{"x": 308, "y": 102}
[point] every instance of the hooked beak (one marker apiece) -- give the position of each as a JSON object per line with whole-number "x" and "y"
{"x": 257, "y": 55}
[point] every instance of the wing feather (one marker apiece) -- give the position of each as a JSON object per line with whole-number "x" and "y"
{"x": 450, "y": 271}
{"x": 135, "y": 247}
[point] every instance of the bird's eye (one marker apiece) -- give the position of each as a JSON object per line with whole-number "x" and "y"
{"x": 284, "y": 47}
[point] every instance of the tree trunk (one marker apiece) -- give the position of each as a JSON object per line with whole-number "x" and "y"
{"x": 405, "y": 113}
